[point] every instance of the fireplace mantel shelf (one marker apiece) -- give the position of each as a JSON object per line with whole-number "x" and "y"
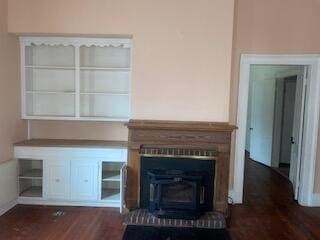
{"x": 180, "y": 125}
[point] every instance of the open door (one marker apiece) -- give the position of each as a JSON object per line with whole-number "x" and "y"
{"x": 123, "y": 183}
{"x": 261, "y": 124}
{"x": 297, "y": 132}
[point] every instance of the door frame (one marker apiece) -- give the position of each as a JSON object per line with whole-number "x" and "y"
{"x": 311, "y": 120}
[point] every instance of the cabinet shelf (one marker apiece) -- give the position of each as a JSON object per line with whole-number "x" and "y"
{"x": 31, "y": 174}
{"x": 112, "y": 195}
{"x": 112, "y": 184}
{"x": 105, "y": 93}
{"x": 50, "y": 117}
{"x": 33, "y": 192}
{"x": 30, "y": 178}
{"x": 111, "y": 176}
{"x": 50, "y": 92}
{"x": 105, "y": 68}
{"x": 50, "y": 67}
{"x": 103, "y": 118}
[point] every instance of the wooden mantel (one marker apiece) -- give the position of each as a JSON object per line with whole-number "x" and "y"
{"x": 183, "y": 134}
{"x": 179, "y": 125}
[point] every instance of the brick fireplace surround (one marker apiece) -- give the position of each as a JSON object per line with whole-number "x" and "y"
{"x": 203, "y": 135}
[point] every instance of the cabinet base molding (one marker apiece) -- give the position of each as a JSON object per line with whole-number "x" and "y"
{"x": 67, "y": 203}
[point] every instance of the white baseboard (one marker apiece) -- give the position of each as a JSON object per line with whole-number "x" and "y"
{"x": 6, "y": 207}
{"x": 231, "y": 198}
{"x": 315, "y": 200}
{"x": 23, "y": 200}
{"x": 234, "y": 197}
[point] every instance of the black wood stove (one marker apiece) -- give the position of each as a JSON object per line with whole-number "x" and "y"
{"x": 176, "y": 186}
{"x": 176, "y": 194}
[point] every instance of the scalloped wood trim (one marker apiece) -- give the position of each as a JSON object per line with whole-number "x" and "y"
{"x": 75, "y": 41}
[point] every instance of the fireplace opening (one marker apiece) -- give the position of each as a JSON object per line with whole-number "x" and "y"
{"x": 177, "y": 187}
{"x": 175, "y": 194}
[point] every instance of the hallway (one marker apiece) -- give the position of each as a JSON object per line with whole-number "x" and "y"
{"x": 269, "y": 211}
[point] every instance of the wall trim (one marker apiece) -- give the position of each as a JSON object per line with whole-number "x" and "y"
{"x": 316, "y": 200}
{"x": 52, "y": 202}
{"x": 231, "y": 199}
{"x": 309, "y": 146}
{"x": 6, "y": 207}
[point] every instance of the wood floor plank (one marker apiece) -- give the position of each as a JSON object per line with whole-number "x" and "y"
{"x": 269, "y": 211}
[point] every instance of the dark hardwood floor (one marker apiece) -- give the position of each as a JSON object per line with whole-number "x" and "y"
{"x": 268, "y": 212}
{"x": 78, "y": 223}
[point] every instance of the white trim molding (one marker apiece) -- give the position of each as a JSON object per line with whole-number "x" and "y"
{"x": 311, "y": 120}
{"x": 316, "y": 200}
{"x": 231, "y": 197}
{"x": 55, "y": 202}
{"x": 6, "y": 207}
{"x": 76, "y": 41}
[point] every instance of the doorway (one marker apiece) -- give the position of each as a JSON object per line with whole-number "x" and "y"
{"x": 272, "y": 107}
{"x": 305, "y": 151}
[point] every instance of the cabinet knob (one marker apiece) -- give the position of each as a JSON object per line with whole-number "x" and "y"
{"x": 57, "y": 180}
{"x": 86, "y": 180}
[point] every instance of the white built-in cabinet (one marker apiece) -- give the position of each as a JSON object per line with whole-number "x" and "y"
{"x": 71, "y": 176}
{"x": 68, "y": 78}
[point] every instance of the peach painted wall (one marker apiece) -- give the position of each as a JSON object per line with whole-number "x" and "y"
{"x": 79, "y": 130}
{"x": 181, "y": 48}
{"x": 280, "y": 27}
{"x": 11, "y": 127}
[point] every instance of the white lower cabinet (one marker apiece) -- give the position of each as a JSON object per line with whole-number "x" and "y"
{"x": 84, "y": 180}
{"x": 64, "y": 176}
{"x": 56, "y": 179}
